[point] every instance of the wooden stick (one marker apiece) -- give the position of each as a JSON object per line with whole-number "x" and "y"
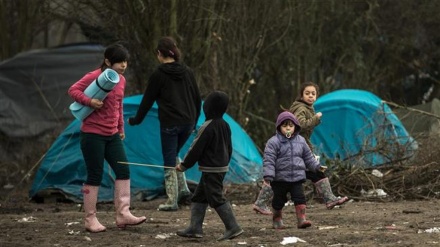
{"x": 139, "y": 164}
{"x": 411, "y": 109}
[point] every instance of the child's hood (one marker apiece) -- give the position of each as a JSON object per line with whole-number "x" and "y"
{"x": 286, "y": 115}
{"x": 175, "y": 70}
{"x": 215, "y": 105}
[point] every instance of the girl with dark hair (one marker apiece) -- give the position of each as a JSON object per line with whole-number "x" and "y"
{"x": 303, "y": 110}
{"x": 101, "y": 137}
{"x": 173, "y": 86}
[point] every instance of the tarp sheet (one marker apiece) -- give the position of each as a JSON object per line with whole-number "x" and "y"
{"x": 421, "y": 120}
{"x": 33, "y": 87}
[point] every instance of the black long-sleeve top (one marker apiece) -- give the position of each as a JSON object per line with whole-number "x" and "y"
{"x": 212, "y": 147}
{"x": 174, "y": 87}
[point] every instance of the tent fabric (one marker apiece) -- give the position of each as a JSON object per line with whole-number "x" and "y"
{"x": 357, "y": 126}
{"x": 63, "y": 169}
{"x": 33, "y": 87}
{"x": 98, "y": 89}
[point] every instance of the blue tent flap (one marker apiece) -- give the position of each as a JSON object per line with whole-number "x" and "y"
{"x": 63, "y": 167}
{"x": 357, "y": 126}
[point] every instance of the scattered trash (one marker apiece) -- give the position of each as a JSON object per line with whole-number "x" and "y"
{"x": 374, "y": 193}
{"x": 87, "y": 238}
{"x": 289, "y": 203}
{"x": 8, "y": 186}
{"x": 164, "y": 236}
{"x": 327, "y": 227}
{"x": 392, "y": 227}
{"x": 291, "y": 240}
{"x": 377, "y": 173}
{"x": 430, "y": 230}
{"x": 242, "y": 243}
{"x": 71, "y": 223}
{"x": 28, "y": 219}
{"x": 72, "y": 232}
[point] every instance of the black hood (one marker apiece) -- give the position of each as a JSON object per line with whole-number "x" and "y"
{"x": 175, "y": 70}
{"x": 215, "y": 105}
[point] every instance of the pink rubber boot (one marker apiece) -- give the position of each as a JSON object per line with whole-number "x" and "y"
{"x": 124, "y": 217}
{"x": 90, "y": 195}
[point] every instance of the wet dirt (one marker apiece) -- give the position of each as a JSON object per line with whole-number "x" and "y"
{"x": 357, "y": 223}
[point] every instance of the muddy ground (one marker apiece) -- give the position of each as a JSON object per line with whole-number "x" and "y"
{"x": 358, "y": 223}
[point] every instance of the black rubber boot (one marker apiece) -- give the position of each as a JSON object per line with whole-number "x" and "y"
{"x": 227, "y": 216}
{"x": 195, "y": 228}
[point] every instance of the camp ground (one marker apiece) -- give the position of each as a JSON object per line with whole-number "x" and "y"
{"x": 63, "y": 170}
{"x": 357, "y": 127}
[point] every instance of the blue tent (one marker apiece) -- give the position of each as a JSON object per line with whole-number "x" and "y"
{"x": 62, "y": 169}
{"x": 357, "y": 126}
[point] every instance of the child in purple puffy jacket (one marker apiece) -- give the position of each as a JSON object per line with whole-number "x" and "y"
{"x": 286, "y": 159}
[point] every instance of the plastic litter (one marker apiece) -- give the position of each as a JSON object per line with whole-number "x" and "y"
{"x": 374, "y": 193}
{"x": 377, "y": 173}
{"x": 291, "y": 240}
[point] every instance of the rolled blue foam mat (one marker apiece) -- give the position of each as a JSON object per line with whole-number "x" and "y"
{"x": 98, "y": 89}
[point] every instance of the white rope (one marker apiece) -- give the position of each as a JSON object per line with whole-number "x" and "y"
{"x": 139, "y": 164}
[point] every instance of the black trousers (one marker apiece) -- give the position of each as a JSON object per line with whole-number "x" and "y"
{"x": 282, "y": 189}
{"x": 95, "y": 148}
{"x": 210, "y": 190}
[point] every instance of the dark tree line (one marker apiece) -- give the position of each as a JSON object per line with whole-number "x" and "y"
{"x": 257, "y": 51}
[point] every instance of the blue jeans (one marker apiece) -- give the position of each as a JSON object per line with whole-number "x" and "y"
{"x": 172, "y": 139}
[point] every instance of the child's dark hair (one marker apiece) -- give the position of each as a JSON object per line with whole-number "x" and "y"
{"x": 284, "y": 122}
{"x": 115, "y": 53}
{"x": 303, "y": 87}
{"x": 168, "y": 48}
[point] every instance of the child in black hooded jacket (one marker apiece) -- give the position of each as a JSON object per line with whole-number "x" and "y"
{"x": 212, "y": 149}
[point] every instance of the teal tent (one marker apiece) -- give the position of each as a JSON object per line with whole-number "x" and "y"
{"x": 63, "y": 171}
{"x": 358, "y": 127}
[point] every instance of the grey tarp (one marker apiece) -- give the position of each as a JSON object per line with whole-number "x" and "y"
{"x": 33, "y": 87}
{"x": 423, "y": 120}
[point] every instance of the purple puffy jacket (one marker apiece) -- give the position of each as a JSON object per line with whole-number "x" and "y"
{"x": 287, "y": 159}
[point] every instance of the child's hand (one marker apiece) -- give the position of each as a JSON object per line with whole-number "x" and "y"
{"x": 319, "y": 114}
{"x": 131, "y": 121}
{"x": 267, "y": 183}
{"x": 179, "y": 168}
{"x": 96, "y": 103}
{"x": 322, "y": 168}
